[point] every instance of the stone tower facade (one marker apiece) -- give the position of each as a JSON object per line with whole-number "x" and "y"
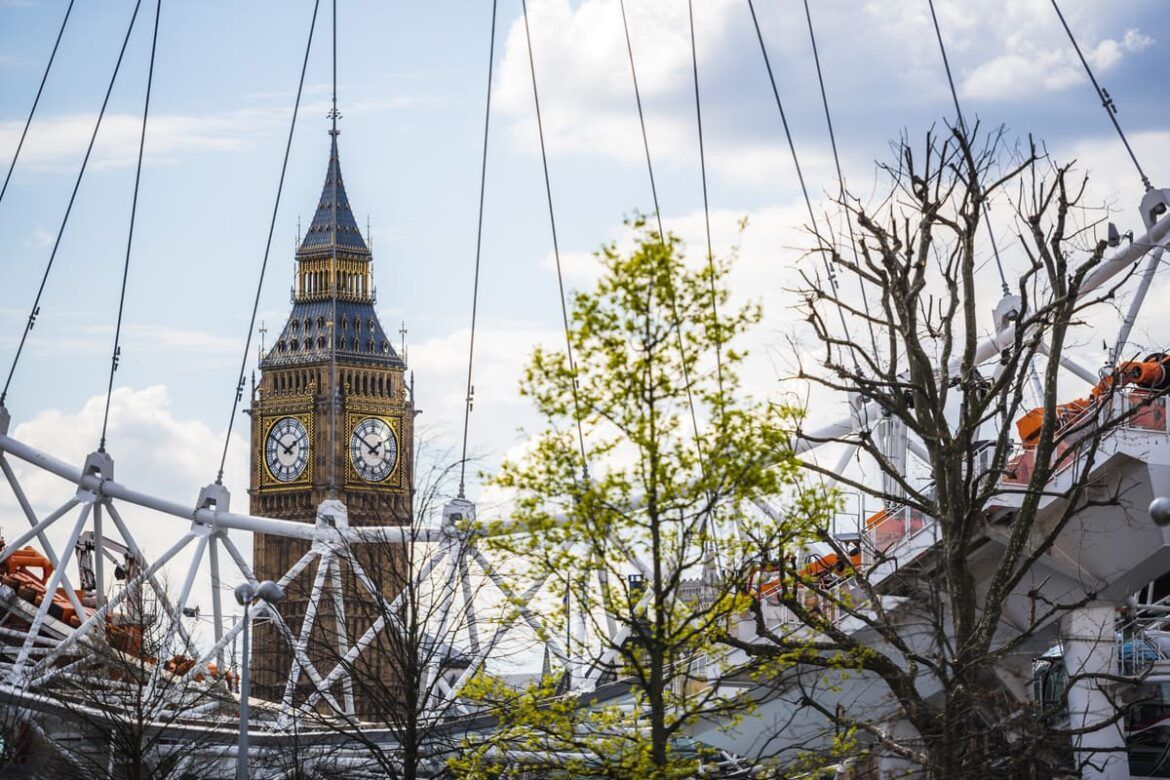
{"x": 332, "y": 417}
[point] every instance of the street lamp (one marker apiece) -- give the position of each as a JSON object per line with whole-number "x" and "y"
{"x": 268, "y": 592}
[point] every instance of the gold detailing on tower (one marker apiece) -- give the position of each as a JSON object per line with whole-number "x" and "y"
{"x": 317, "y": 278}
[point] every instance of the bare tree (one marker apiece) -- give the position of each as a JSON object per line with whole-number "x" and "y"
{"x": 399, "y": 625}
{"x": 911, "y": 639}
{"x": 129, "y": 709}
{"x": 307, "y": 750}
{"x": 23, "y": 751}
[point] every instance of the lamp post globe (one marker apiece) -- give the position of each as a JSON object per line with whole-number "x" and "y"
{"x": 246, "y": 593}
{"x": 269, "y": 591}
{"x": 1160, "y": 510}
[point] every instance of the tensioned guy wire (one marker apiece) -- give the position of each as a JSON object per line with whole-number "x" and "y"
{"x": 130, "y": 234}
{"x": 487, "y": 116}
{"x": 36, "y": 307}
{"x": 32, "y": 111}
{"x": 710, "y": 254}
{"x": 829, "y": 271}
{"x": 556, "y": 247}
{"x": 796, "y": 161}
{"x": 335, "y": 394}
{"x": 268, "y": 245}
{"x": 840, "y": 177}
{"x": 662, "y": 240}
{"x": 963, "y": 128}
{"x": 1106, "y": 101}
{"x": 706, "y": 202}
{"x": 642, "y": 123}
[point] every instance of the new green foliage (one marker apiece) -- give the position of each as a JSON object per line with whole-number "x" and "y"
{"x": 640, "y": 519}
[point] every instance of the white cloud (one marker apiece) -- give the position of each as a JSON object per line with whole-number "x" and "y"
{"x": 999, "y": 50}
{"x": 1136, "y": 41}
{"x": 578, "y": 268}
{"x": 1027, "y": 68}
{"x": 769, "y": 256}
{"x": 1109, "y": 51}
{"x": 39, "y": 237}
{"x": 76, "y": 336}
{"x": 63, "y": 139}
{"x": 1002, "y": 49}
{"x": 163, "y": 338}
{"x": 501, "y": 352}
{"x": 1113, "y": 181}
{"x": 1114, "y": 185}
{"x": 586, "y": 90}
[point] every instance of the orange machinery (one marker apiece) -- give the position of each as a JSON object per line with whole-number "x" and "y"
{"x": 18, "y": 572}
{"x": 27, "y": 572}
{"x": 1153, "y": 373}
{"x": 181, "y": 664}
{"x": 825, "y": 566}
{"x": 767, "y": 581}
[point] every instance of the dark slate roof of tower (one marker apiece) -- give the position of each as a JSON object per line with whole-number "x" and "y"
{"x": 320, "y": 235}
{"x": 306, "y": 337}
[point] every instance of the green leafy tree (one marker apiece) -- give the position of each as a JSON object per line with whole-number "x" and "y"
{"x": 635, "y": 503}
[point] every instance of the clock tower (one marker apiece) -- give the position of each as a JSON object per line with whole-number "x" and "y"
{"x": 332, "y": 418}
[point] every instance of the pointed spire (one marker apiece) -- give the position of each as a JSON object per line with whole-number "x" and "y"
{"x": 323, "y": 234}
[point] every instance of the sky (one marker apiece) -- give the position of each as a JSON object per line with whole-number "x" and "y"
{"x": 412, "y": 81}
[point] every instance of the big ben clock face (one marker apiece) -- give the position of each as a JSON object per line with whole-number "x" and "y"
{"x": 373, "y": 449}
{"x": 286, "y": 451}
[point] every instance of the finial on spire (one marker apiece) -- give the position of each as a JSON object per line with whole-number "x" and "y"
{"x": 334, "y": 114}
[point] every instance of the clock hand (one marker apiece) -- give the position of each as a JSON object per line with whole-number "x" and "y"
{"x": 287, "y": 447}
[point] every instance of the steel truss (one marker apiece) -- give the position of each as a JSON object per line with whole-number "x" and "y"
{"x": 50, "y": 648}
